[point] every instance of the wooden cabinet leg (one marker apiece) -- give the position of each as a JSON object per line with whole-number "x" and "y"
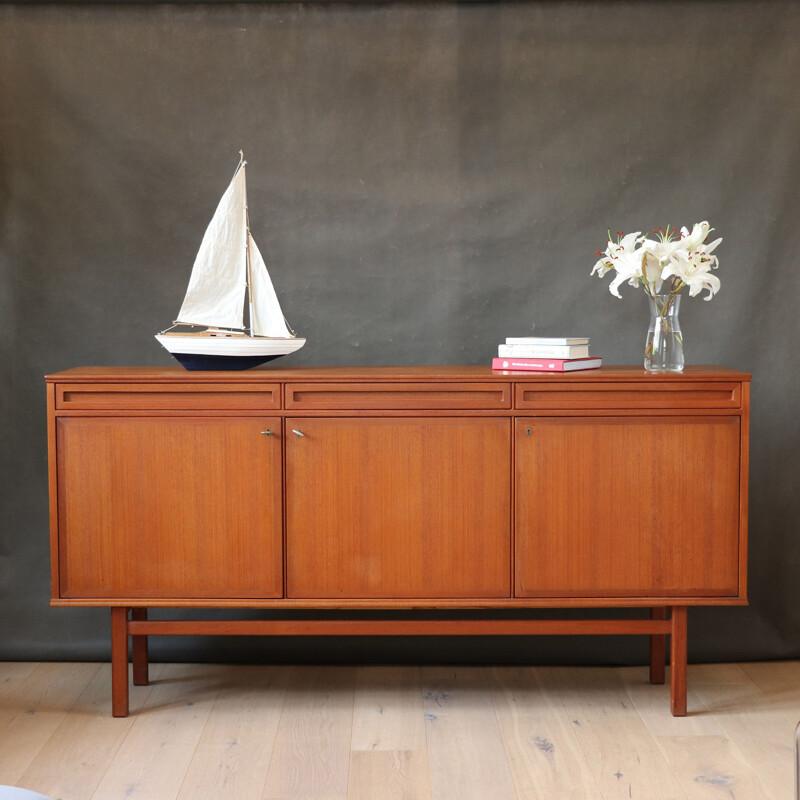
{"x": 658, "y": 649}
{"x": 139, "y": 651}
{"x": 119, "y": 662}
{"x": 677, "y": 662}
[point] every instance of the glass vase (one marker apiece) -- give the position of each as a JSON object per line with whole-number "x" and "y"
{"x": 664, "y": 349}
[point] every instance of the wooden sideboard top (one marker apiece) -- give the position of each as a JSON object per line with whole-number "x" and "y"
{"x": 377, "y": 374}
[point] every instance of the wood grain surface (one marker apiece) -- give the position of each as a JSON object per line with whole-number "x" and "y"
{"x": 627, "y": 506}
{"x": 388, "y": 733}
{"x": 363, "y": 396}
{"x": 173, "y": 507}
{"x": 649, "y": 394}
{"x": 388, "y": 508}
{"x": 179, "y": 396}
{"x": 446, "y": 372}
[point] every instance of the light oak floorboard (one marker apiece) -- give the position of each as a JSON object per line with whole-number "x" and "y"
{"x": 153, "y": 760}
{"x": 698, "y": 674}
{"x": 625, "y": 759}
{"x": 776, "y": 679}
{"x": 74, "y": 759}
{"x": 710, "y": 767}
{"x": 234, "y": 752}
{"x": 541, "y": 745}
{"x": 488, "y": 733}
{"x": 652, "y": 703}
{"x": 387, "y": 710}
{"x": 465, "y": 746}
{"x": 762, "y": 728}
{"x": 389, "y": 775}
{"x": 34, "y": 709}
{"x": 12, "y": 672}
{"x": 310, "y": 760}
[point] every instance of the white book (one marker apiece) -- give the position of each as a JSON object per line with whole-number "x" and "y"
{"x": 545, "y": 340}
{"x": 543, "y": 351}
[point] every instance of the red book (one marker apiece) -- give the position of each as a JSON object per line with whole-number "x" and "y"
{"x": 547, "y": 364}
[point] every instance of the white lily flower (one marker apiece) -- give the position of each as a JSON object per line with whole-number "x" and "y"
{"x": 627, "y": 244}
{"x": 691, "y": 241}
{"x": 602, "y": 266}
{"x": 652, "y": 272}
{"x": 658, "y": 253}
{"x": 629, "y": 268}
{"x": 703, "y": 254}
{"x": 624, "y": 258}
{"x": 663, "y": 265}
{"x": 637, "y": 260}
{"x": 662, "y": 249}
{"x": 693, "y": 269}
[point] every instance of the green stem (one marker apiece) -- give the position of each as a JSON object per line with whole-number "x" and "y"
{"x": 663, "y": 309}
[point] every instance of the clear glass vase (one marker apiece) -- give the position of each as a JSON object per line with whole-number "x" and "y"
{"x": 664, "y": 349}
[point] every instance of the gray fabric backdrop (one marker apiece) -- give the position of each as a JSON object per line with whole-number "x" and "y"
{"x": 425, "y": 179}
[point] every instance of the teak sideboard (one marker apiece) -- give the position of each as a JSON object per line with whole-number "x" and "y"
{"x": 392, "y": 488}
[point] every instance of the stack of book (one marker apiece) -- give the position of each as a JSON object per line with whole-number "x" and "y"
{"x": 545, "y": 354}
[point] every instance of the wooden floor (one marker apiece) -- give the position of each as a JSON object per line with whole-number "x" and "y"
{"x": 206, "y": 732}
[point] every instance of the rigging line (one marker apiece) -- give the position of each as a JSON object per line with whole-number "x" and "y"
{"x": 288, "y": 326}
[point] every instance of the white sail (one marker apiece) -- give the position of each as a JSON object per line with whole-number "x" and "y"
{"x": 215, "y": 296}
{"x": 267, "y": 317}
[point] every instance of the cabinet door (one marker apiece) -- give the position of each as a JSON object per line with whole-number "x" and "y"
{"x": 398, "y": 508}
{"x": 169, "y": 507}
{"x": 615, "y": 507}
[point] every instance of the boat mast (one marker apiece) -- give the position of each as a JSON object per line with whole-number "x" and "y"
{"x": 248, "y": 278}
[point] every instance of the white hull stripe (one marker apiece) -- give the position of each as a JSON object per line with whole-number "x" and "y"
{"x": 224, "y": 346}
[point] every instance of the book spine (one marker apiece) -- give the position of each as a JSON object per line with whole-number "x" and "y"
{"x": 543, "y": 341}
{"x": 534, "y": 365}
{"x": 542, "y": 351}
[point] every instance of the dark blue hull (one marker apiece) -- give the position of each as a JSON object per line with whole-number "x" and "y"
{"x": 201, "y": 362}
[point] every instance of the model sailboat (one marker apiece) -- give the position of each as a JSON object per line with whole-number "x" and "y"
{"x": 229, "y": 267}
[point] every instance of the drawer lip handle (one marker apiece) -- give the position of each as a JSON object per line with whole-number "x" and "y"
{"x": 297, "y": 432}
{"x": 267, "y": 432}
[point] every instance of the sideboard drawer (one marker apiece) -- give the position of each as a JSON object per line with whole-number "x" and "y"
{"x": 642, "y": 394}
{"x": 154, "y": 396}
{"x": 398, "y": 396}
